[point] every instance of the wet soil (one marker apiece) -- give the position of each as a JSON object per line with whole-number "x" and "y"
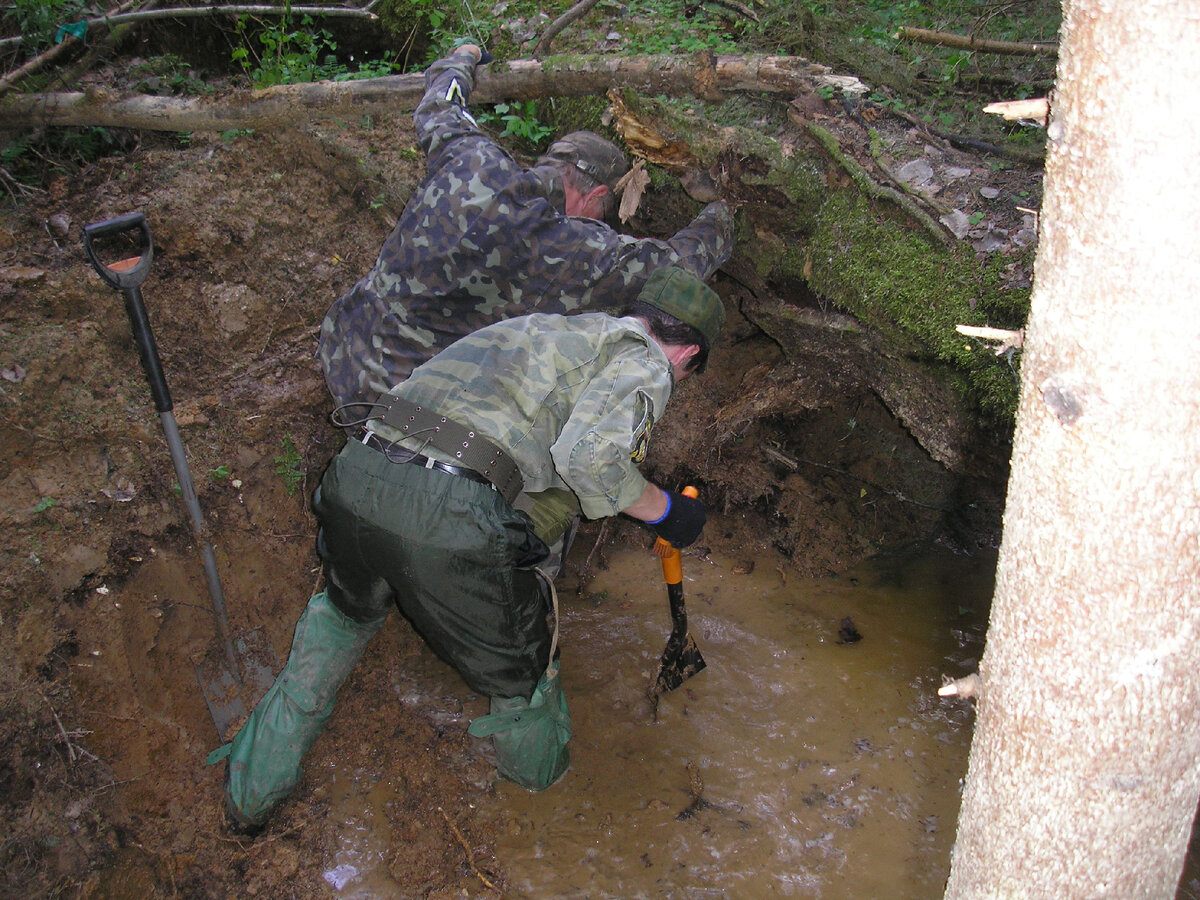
{"x": 103, "y": 725}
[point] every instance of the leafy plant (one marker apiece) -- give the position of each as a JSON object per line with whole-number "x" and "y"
{"x": 288, "y": 55}
{"x": 520, "y": 120}
{"x": 232, "y": 134}
{"x": 290, "y": 465}
{"x": 220, "y": 472}
{"x": 678, "y": 26}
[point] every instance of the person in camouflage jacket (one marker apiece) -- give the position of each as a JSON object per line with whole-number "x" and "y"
{"x": 483, "y": 239}
{"x": 572, "y": 401}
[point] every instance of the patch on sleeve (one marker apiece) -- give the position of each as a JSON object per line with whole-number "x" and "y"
{"x": 641, "y": 437}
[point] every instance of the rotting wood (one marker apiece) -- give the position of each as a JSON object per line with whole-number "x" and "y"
{"x": 1035, "y": 109}
{"x": 969, "y": 42}
{"x": 703, "y": 75}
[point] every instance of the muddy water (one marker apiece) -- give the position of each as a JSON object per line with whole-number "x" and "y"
{"x": 798, "y": 764}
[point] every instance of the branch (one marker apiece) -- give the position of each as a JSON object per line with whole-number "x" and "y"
{"x": 873, "y": 189}
{"x": 574, "y": 14}
{"x": 967, "y": 42}
{"x": 1009, "y": 340}
{"x": 701, "y": 76}
{"x": 1035, "y": 110}
{"x": 200, "y": 11}
{"x": 39, "y": 62}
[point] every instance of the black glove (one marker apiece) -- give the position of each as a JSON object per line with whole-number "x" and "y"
{"x": 683, "y": 521}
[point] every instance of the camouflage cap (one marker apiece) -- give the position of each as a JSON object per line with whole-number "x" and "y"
{"x": 687, "y": 298}
{"x": 591, "y": 154}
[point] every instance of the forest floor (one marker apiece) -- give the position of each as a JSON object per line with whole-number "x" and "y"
{"x": 104, "y": 729}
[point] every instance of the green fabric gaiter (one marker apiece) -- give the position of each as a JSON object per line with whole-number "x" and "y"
{"x": 530, "y": 736}
{"x": 265, "y": 756}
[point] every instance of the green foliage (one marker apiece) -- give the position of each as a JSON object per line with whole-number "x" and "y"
{"x": 279, "y": 53}
{"x": 37, "y": 21}
{"x": 232, "y": 134}
{"x": 220, "y": 472}
{"x": 679, "y": 26}
{"x": 520, "y": 120}
{"x": 290, "y": 465}
{"x": 44, "y": 504}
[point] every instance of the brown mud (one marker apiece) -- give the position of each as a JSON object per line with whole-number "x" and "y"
{"x": 104, "y": 729}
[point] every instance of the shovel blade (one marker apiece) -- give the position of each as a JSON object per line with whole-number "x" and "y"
{"x": 680, "y": 661}
{"x": 230, "y": 702}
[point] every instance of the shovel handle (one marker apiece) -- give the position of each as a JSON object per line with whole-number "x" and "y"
{"x": 125, "y": 273}
{"x": 672, "y": 562}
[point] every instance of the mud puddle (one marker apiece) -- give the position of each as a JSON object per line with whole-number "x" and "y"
{"x": 801, "y": 762}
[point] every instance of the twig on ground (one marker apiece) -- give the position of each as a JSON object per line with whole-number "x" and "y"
{"x": 62, "y": 732}
{"x": 873, "y": 189}
{"x": 462, "y": 841}
{"x": 585, "y": 574}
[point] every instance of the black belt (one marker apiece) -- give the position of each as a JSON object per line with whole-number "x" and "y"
{"x": 397, "y": 454}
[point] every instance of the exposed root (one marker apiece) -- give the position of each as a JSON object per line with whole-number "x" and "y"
{"x": 462, "y": 842}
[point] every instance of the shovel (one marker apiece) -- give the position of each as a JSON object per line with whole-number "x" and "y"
{"x": 221, "y": 680}
{"x": 681, "y": 659}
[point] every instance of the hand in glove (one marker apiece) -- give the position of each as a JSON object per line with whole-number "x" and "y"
{"x": 683, "y": 521}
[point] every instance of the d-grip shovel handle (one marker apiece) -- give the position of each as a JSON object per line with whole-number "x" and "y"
{"x": 672, "y": 562}
{"x": 126, "y": 275}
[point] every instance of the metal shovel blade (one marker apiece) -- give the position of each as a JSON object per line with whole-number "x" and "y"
{"x": 230, "y": 702}
{"x": 681, "y": 659}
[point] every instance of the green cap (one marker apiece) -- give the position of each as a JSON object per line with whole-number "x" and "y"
{"x": 591, "y": 154}
{"x": 687, "y": 298}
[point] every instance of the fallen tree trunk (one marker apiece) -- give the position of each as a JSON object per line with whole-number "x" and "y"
{"x": 701, "y": 76}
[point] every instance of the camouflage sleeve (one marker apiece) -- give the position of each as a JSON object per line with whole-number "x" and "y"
{"x": 701, "y": 248}
{"x": 599, "y": 447}
{"x": 707, "y": 242}
{"x": 441, "y": 117}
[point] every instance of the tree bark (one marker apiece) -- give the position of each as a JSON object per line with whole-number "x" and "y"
{"x": 1085, "y": 768}
{"x": 564, "y": 76}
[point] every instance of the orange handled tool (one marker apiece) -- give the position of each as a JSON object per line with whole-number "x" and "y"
{"x": 681, "y": 659}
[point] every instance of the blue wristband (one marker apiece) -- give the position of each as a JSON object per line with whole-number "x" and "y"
{"x": 665, "y": 514}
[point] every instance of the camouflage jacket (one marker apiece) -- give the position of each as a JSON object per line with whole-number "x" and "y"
{"x": 483, "y": 239}
{"x": 573, "y": 400}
